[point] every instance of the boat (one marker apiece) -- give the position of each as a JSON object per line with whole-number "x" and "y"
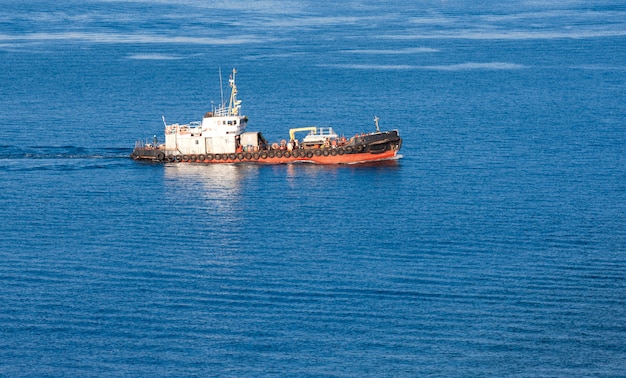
{"x": 221, "y": 137}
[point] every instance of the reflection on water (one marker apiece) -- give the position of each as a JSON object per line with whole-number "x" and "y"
{"x": 216, "y": 186}
{"x": 212, "y": 176}
{"x": 219, "y": 189}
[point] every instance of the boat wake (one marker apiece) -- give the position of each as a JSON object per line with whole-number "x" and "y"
{"x": 60, "y": 158}
{"x": 61, "y": 152}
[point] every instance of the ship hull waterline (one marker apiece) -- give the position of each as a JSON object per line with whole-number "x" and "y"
{"x": 273, "y": 158}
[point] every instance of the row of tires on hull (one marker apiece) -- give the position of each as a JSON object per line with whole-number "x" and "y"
{"x": 242, "y": 156}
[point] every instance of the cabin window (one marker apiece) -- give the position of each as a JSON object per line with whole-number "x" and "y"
{"x": 197, "y": 142}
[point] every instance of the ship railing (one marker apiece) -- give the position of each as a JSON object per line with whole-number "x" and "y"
{"x": 322, "y": 132}
{"x": 222, "y": 111}
{"x": 145, "y": 145}
{"x": 325, "y": 131}
{"x": 190, "y": 125}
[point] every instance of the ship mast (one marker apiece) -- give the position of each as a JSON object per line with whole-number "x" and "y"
{"x": 221, "y": 90}
{"x": 233, "y": 104}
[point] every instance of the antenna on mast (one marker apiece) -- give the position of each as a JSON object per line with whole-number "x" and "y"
{"x": 221, "y": 89}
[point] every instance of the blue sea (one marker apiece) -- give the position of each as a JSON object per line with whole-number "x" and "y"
{"x": 496, "y": 246}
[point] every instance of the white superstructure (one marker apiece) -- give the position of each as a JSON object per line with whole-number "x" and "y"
{"x": 218, "y": 132}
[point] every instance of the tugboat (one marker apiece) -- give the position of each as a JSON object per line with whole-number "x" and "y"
{"x": 221, "y": 137}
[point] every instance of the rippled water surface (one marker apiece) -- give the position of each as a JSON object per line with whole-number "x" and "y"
{"x": 496, "y": 246}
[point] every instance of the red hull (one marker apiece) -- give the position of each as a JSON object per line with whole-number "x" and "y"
{"x": 354, "y": 158}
